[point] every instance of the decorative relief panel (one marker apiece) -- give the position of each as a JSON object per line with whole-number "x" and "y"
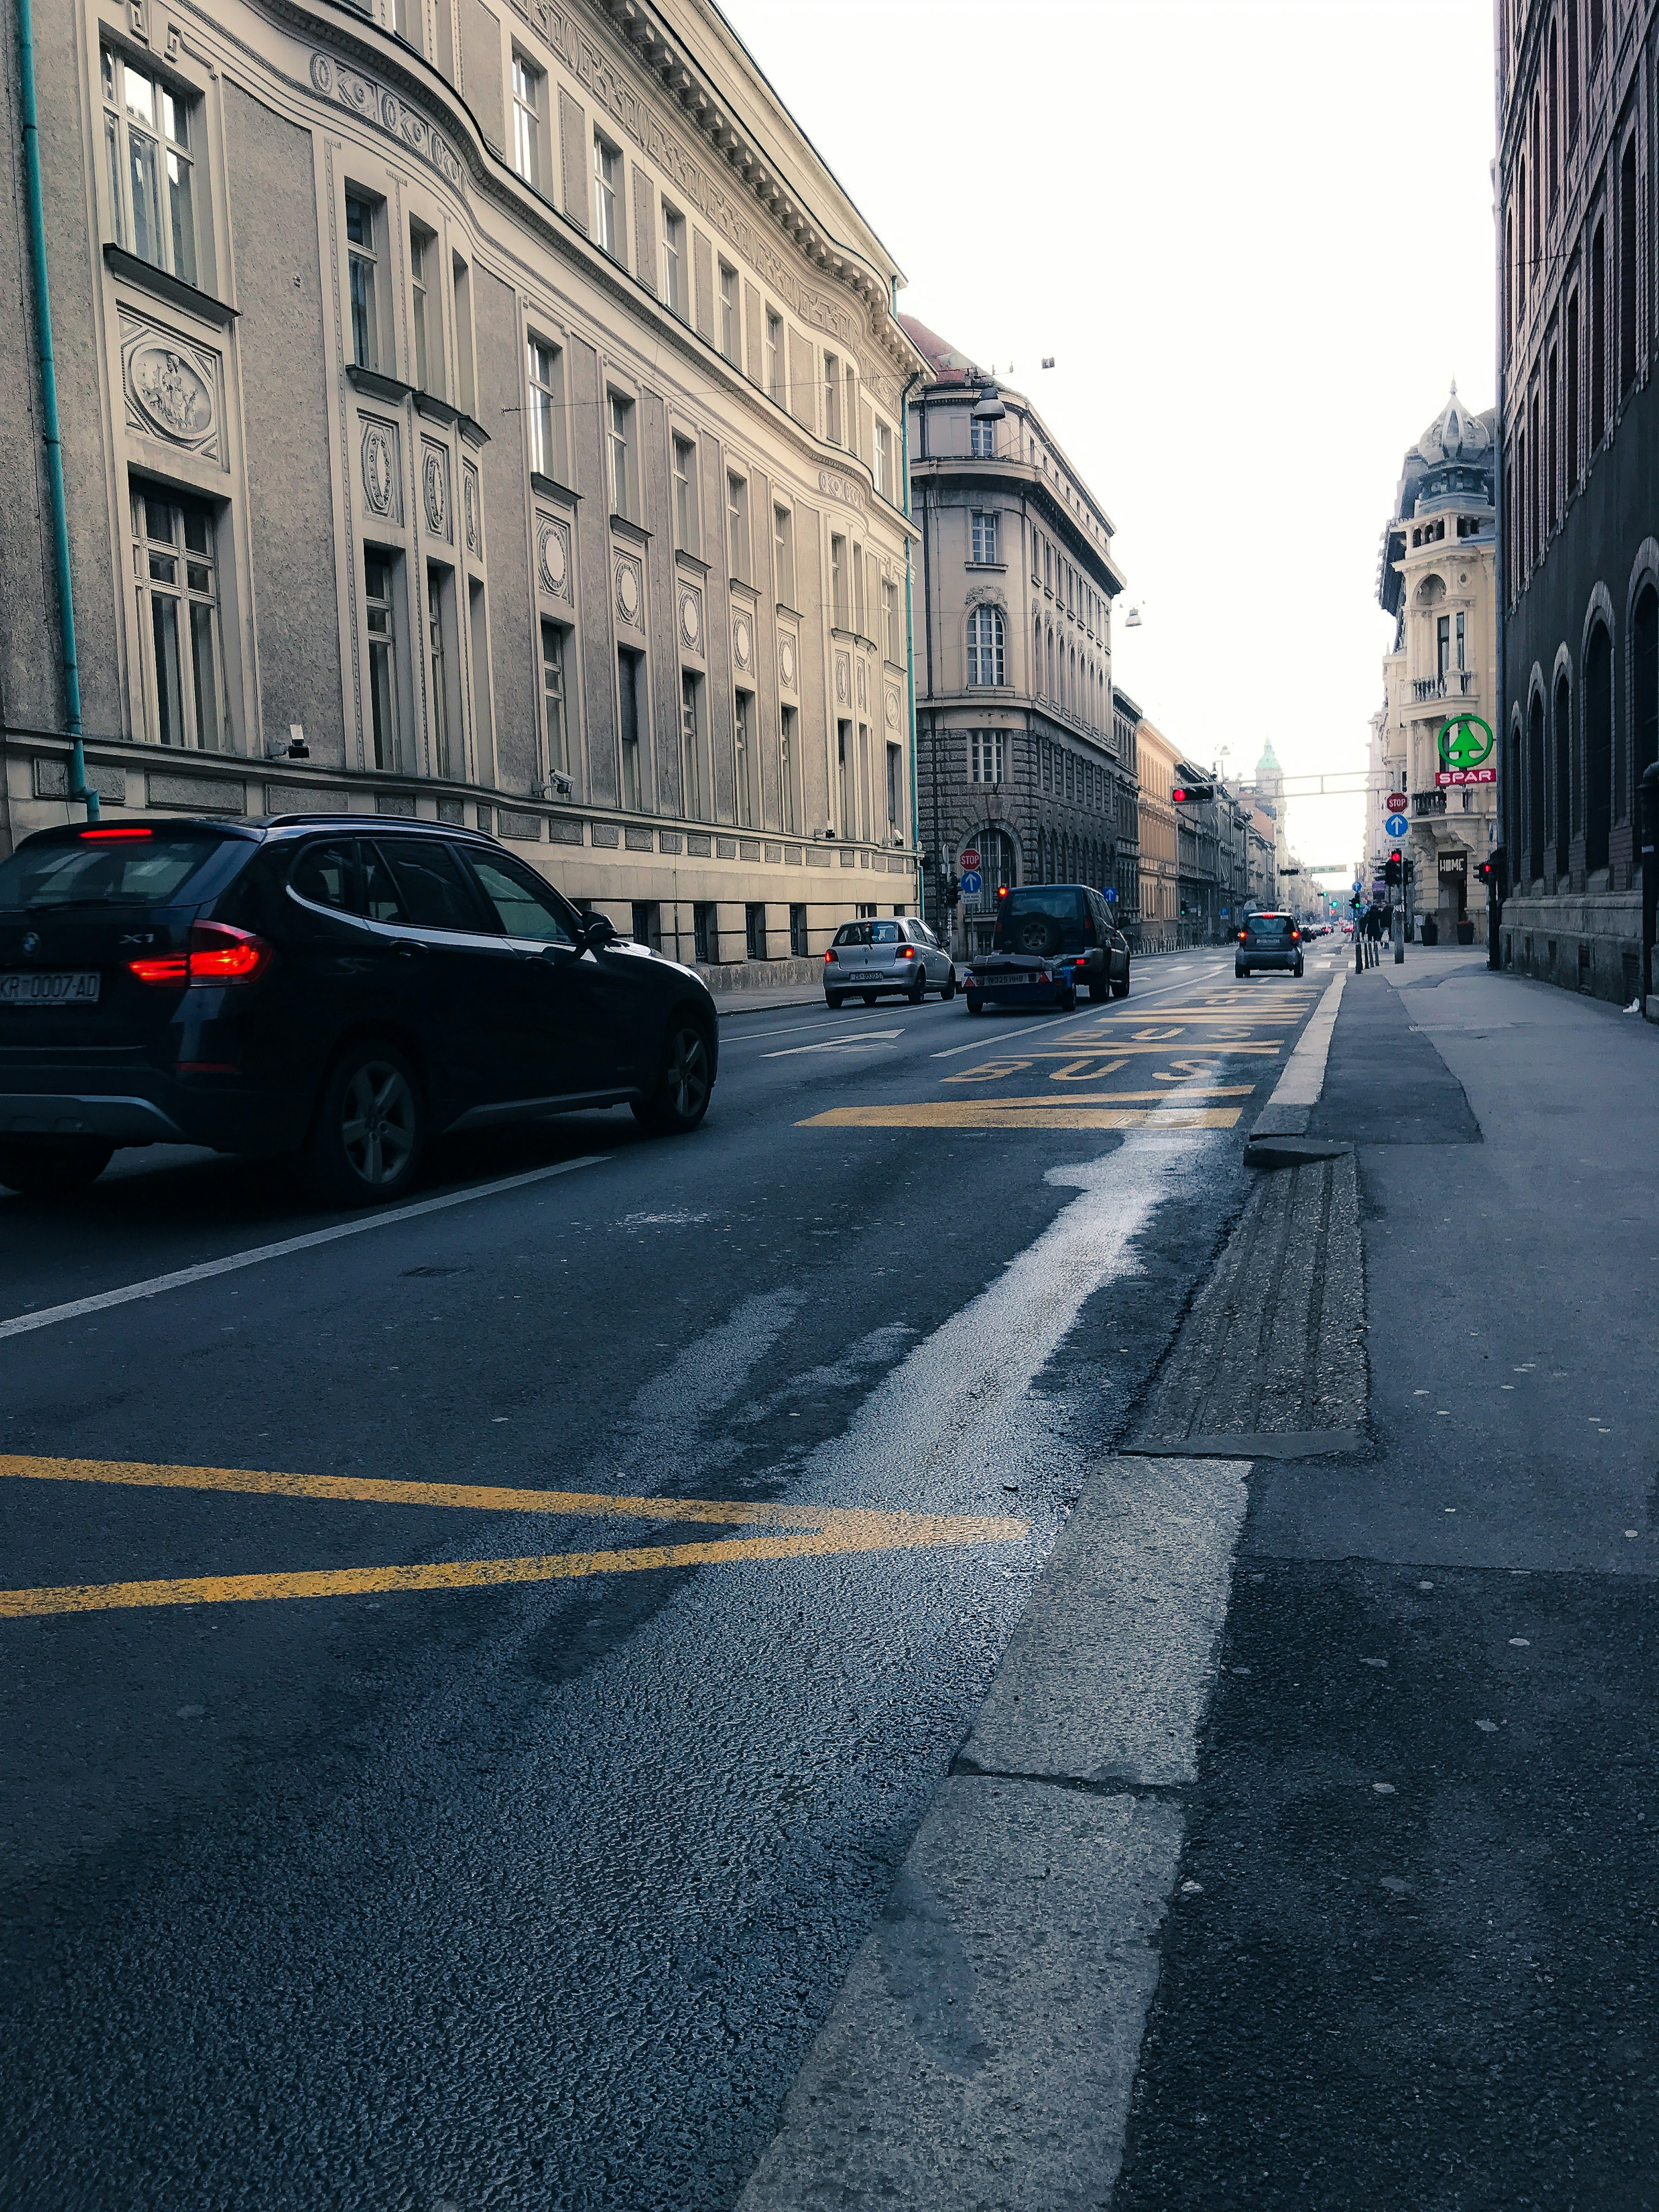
{"x": 435, "y": 492}
{"x": 891, "y": 711}
{"x": 742, "y": 641}
{"x": 387, "y": 113}
{"x": 171, "y": 387}
{"x": 844, "y": 679}
{"x": 788, "y": 655}
{"x": 473, "y": 510}
{"x": 553, "y": 556}
{"x": 691, "y": 618}
{"x": 630, "y": 591}
{"x": 379, "y": 469}
{"x": 864, "y": 687}
{"x": 846, "y": 489}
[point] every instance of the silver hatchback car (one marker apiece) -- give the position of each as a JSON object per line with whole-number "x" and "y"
{"x": 870, "y": 957}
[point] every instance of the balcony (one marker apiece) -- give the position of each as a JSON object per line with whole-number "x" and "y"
{"x": 1455, "y": 684}
{"x": 1428, "y": 802}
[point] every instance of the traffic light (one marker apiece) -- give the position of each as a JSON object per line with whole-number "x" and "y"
{"x": 1491, "y": 870}
{"x": 953, "y": 891}
{"x": 1392, "y": 872}
{"x": 1192, "y": 794}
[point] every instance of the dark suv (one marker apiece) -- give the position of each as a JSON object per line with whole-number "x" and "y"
{"x": 1268, "y": 941}
{"x": 1051, "y": 940}
{"x": 322, "y": 985}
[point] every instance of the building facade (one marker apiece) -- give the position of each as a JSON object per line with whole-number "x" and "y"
{"x": 486, "y": 415}
{"x": 1579, "y": 554}
{"x": 1160, "y": 843}
{"x": 1020, "y": 758}
{"x": 1435, "y": 737}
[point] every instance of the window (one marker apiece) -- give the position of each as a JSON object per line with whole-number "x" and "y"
{"x": 730, "y": 340}
{"x": 775, "y": 357}
{"x": 1553, "y": 113}
{"x": 478, "y": 638}
{"x": 1598, "y": 338}
{"x": 691, "y": 745}
{"x": 607, "y": 189}
{"x": 147, "y": 141}
{"x": 629, "y": 670}
{"x": 850, "y": 413}
{"x": 546, "y": 410}
{"x": 985, "y": 756}
{"x": 832, "y": 399}
{"x": 844, "y": 778}
{"x": 433, "y": 890}
{"x": 783, "y": 554}
{"x": 461, "y": 294}
{"x": 426, "y": 327}
{"x": 705, "y": 934}
{"x": 1549, "y": 452}
{"x": 894, "y": 791}
{"x": 1462, "y": 641}
{"x": 620, "y": 440}
{"x": 554, "y": 703}
{"x": 982, "y": 439}
{"x": 881, "y": 465}
{"x": 646, "y": 923}
{"x": 379, "y": 573}
{"x": 522, "y": 903}
{"x": 1443, "y": 646}
{"x": 798, "y": 937}
{"x": 788, "y": 722}
{"x": 737, "y": 527}
{"x": 838, "y": 610}
{"x": 362, "y": 266}
{"x": 890, "y": 621}
{"x": 1047, "y": 566}
{"x": 754, "y": 927}
{"x": 861, "y": 622}
{"x": 1569, "y": 444}
{"x": 529, "y": 89}
{"x": 179, "y": 620}
{"x": 985, "y": 537}
{"x": 673, "y": 261}
{"x": 685, "y": 496}
{"x": 742, "y": 713}
{"x": 1627, "y": 257}
{"x": 985, "y": 657}
{"x": 440, "y": 665}
{"x": 1572, "y": 75}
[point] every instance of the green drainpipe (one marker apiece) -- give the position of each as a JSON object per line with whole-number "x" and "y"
{"x": 910, "y": 632}
{"x": 60, "y": 544}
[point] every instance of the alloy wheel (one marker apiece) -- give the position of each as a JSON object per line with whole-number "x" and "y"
{"x": 379, "y": 1124}
{"x": 685, "y": 1079}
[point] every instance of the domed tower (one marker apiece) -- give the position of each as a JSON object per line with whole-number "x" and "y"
{"x": 1437, "y": 578}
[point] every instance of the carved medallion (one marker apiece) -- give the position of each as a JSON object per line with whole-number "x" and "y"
{"x": 553, "y": 557}
{"x": 435, "y": 490}
{"x": 892, "y": 710}
{"x": 171, "y": 387}
{"x": 843, "y": 679}
{"x": 785, "y": 661}
{"x": 473, "y": 510}
{"x": 743, "y": 640}
{"x": 691, "y": 618}
{"x": 864, "y": 689}
{"x": 379, "y": 465}
{"x": 630, "y": 591}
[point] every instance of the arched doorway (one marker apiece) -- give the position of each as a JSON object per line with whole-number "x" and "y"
{"x": 1644, "y": 682}
{"x": 1562, "y": 738}
{"x": 1536, "y": 788}
{"x": 998, "y": 868}
{"x": 1598, "y": 747}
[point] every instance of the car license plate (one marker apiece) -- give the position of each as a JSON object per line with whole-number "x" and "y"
{"x": 77, "y": 989}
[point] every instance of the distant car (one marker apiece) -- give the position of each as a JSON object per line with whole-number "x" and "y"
{"x": 870, "y": 957}
{"x": 325, "y": 986}
{"x": 1051, "y": 941}
{"x": 1268, "y": 941}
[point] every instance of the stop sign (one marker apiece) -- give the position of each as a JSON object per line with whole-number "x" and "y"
{"x": 1397, "y": 802}
{"x": 970, "y": 858}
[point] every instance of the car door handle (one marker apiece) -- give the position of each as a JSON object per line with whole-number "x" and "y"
{"x": 407, "y": 947}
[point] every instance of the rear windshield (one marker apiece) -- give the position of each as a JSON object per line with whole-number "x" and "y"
{"x": 1269, "y": 925}
{"x": 125, "y": 870}
{"x": 1064, "y": 900}
{"x": 869, "y": 932}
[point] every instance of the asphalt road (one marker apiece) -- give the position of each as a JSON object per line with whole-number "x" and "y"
{"x": 391, "y": 1877}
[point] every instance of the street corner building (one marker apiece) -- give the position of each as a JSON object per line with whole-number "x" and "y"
{"x": 1026, "y": 757}
{"x": 1579, "y": 327}
{"x": 1433, "y": 740}
{"x": 492, "y": 415}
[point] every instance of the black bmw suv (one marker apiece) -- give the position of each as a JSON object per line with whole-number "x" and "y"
{"x": 326, "y": 986}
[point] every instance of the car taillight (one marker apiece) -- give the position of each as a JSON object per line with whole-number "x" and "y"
{"x": 1242, "y": 934}
{"x": 170, "y": 968}
{"x": 831, "y": 954}
{"x": 907, "y": 952}
{"x": 1296, "y": 935}
{"x": 105, "y": 836}
{"x": 221, "y": 953}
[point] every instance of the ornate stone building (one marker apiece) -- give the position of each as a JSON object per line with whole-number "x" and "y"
{"x": 1579, "y": 336}
{"x": 490, "y": 413}
{"x": 1021, "y": 755}
{"x": 1437, "y": 579}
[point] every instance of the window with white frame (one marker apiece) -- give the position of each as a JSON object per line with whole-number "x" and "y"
{"x": 546, "y": 371}
{"x": 982, "y": 439}
{"x": 985, "y": 756}
{"x": 384, "y": 644}
{"x": 426, "y": 324}
{"x": 529, "y": 105}
{"x": 691, "y": 782}
{"x": 895, "y": 792}
{"x": 460, "y": 295}
{"x": 774, "y": 381}
{"x": 881, "y": 461}
{"x": 673, "y": 261}
{"x": 607, "y": 195}
{"x": 737, "y": 527}
{"x": 832, "y": 399}
{"x": 149, "y": 144}
{"x": 788, "y": 724}
{"x": 620, "y": 440}
{"x": 685, "y": 496}
{"x": 838, "y": 607}
{"x": 630, "y": 673}
{"x": 743, "y": 723}
{"x": 985, "y": 646}
{"x": 555, "y": 698}
{"x": 363, "y": 225}
{"x": 783, "y": 554}
{"x": 850, "y": 413}
{"x": 177, "y": 583}
{"x": 731, "y": 338}
{"x": 985, "y": 537}
{"x": 890, "y": 635}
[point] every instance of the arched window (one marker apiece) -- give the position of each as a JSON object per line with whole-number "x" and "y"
{"x": 1597, "y": 730}
{"x": 1052, "y": 693}
{"x": 1562, "y": 737}
{"x": 1036, "y": 658}
{"x": 997, "y": 866}
{"x": 985, "y": 657}
{"x": 1536, "y": 789}
{"x": 1645, "y": 682}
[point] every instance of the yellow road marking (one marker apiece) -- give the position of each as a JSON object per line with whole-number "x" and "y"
{"x": 1020, "y": 1114}
{"x": 815, "y": 1532}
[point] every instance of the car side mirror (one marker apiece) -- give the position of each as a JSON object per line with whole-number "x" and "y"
{"x": 598, "y": 930}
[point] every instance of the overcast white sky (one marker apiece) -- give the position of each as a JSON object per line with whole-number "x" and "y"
{"x": 1256, "y": 236}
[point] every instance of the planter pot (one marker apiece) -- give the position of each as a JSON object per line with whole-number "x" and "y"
{"x": 1466, "y": 932}
{"x": 1430, "y": 930}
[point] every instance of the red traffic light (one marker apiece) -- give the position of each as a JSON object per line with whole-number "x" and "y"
{"x": 1178, "y": 796}
{"x": 1395, "y": 855}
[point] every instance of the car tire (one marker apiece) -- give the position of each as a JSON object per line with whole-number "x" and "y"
{"x": 975, "y": 1004}
{"x": 1068, "y": 1002}
{"x": 868, "y": 997}
{"x": 1239, "y": 969}
{"x": 949, "y": 989}
{"x": 368, "y": 1132}
{"x": 1121, "y": 990}
{"x": 1098, "y": 991}
{"x": 1296, "y": 970}
{"x": 684, "y": 1085}
{"x": 835, "y": 1000}
{"x": 52, "y": 1167}
{"x": 918, "y": 990}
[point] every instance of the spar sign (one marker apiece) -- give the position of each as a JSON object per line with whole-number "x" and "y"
{"x": 1466, "y": 744}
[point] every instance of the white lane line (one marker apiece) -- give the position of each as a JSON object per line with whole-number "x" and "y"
{"x": 990, "y": 1038}
{"x": 836, "y": 1044}
{"x": 20, "y": 1324}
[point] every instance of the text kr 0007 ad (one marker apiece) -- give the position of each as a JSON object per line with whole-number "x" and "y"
{"x": 308, "y": 985}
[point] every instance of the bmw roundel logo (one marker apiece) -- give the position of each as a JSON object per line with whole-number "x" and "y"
{"x": 32, "y": 941}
